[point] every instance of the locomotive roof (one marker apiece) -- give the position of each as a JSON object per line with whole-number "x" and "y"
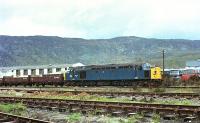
{"x": 107, "y": 66}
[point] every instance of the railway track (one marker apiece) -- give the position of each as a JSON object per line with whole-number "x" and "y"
{"x": 108, "y": 107}
{"x": 9, "y": 118}
{"x": 184, "y": 87}
{"x": 110, "y": 93}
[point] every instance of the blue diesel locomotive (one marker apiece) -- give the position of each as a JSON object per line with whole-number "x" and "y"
{"x": 113, "y": 74}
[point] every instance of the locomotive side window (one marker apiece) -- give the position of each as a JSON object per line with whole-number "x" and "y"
{"x": 82, "y": 75}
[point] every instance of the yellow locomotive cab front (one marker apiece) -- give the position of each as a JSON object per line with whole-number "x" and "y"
{"x": 156, "y": 73}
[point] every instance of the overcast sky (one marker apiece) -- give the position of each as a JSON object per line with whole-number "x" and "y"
{"x": 101, "y": 18}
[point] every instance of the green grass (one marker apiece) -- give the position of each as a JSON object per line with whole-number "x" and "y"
{"x": 17, "y": 109}
{"x": 134, "y": 118}
{"x": 159, "y": 90}
{"x": 156, "y": 118}
{"x": 177, "y": 102}
{"x": 74, "y": 117}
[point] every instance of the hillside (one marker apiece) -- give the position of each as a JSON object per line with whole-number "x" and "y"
{"x": 35, "y": 50}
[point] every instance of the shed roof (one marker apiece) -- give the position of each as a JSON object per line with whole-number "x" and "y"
{"x": 35, "y": 67}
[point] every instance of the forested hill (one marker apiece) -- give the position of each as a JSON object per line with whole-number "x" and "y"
{"x": 36, "y": 50}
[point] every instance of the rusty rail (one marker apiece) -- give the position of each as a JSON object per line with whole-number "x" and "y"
{"x": 5, "y": 117}
{"x": 109, "y": 93}
{"x": 108, "y": 106}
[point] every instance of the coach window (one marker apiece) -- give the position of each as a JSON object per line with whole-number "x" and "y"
{"x": 41, "y": 71}
{"x": 49, "y": 70}
{"x": 33, "y": 71}
{"x": 17, "y": 72}
{"x": 25, "y": 72}
{"x": 58, "y": 69}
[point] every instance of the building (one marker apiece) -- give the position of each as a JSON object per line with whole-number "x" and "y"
{"x": 5, "y": 71}
{"x": 25, "y": 71}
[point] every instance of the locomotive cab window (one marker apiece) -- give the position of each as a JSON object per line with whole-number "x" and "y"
{"x": 82, "y": 74}
{"x": 146, "y": 73}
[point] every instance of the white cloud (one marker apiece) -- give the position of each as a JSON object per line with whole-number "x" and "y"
{"x": 101, "y": 18}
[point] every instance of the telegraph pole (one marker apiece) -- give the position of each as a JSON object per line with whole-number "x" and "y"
{"x": 163, "y": 53}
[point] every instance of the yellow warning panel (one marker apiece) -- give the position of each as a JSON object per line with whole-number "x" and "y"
{"x": 156, "y": 73}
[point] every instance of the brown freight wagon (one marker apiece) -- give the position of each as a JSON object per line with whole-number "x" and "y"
{"x": 52, "y": 79}
{"x": 15, "y": 80}
{"x": 1, "y": 81}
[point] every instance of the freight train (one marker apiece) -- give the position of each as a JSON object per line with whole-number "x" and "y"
{"x": 94, "y": 75}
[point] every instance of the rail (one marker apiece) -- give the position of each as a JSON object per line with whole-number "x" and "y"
{"x": 5, "y": 117}
{"x": 110, "y": 93}
{"x": 108, "y": 106}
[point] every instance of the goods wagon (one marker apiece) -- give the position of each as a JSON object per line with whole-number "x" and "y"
{"x": 15, "y": 80}
{"x": 1, "y": 81}
{"x": 51, "y": 79}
